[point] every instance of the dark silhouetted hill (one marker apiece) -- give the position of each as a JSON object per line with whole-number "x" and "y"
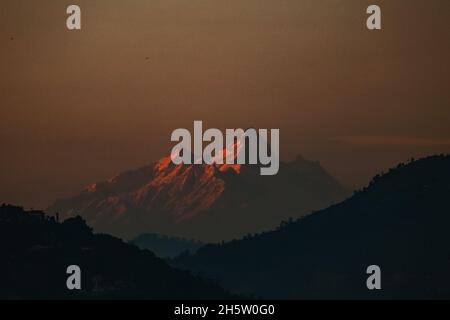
{"x": 36, "y": 250}
{"x": 164, "y": 246}
{"x": 400, "y": 222}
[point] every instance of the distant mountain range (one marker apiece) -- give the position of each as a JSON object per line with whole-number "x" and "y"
{"x": 36, "y": 250}
{"x": 400, "y": 222}
{"x": 205, "y": 202}
{"x": 164, "y": 246}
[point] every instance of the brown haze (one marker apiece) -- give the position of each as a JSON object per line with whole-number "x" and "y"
{"x": 80, "y": 106}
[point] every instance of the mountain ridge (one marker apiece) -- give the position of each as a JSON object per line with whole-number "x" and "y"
{"x": 191, "y": 201}
{"x": 400, "y": 222}
{"x": 164, "y": 246}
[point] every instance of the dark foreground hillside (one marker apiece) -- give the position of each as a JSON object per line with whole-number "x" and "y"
{"x": 165, "y": 246}
{"x": 400, "y": 222}
{"x": 36, "y": 250}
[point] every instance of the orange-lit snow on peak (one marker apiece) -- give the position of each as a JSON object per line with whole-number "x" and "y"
{"x": 183, "y": 190}
{"x": 229, "y": 153}
{"x": 225, "y": 167}
{"x": 163, "y": 163}
{"x": 92, "y": 187}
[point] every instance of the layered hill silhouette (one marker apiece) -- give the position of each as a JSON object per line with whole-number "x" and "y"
{"x": 36, "y": 251}
{"x": 400, "y": 222}
{"x": 204, "y": 202}
{"x": 164, "y": 246}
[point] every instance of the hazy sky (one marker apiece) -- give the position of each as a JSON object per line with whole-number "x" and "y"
{"x": 80, "y": 106}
